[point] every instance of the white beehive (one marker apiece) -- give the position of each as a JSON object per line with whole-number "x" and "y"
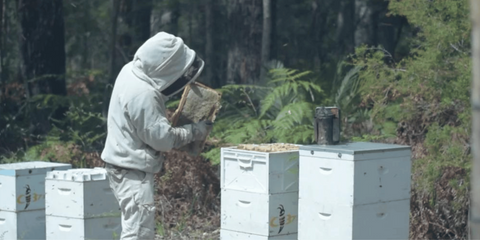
{"x": 232, "y": 235}
{"x": 259, "y": 172}
{"x": 22, "y": 225}
{"x": 388, "y": 220}
{"x": 354, "y": 191}
{"x": 259, "y": 214}
{"x": 80, "y": 193}
{"x": 355, "y": 173}
{"x": 22, "y": 185}
{"x": 76, "y": 228}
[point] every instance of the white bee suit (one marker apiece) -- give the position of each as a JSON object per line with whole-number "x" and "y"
{"x": 138, "y": 129}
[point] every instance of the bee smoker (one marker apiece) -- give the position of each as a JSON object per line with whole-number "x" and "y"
{"x": 327, "y": 125}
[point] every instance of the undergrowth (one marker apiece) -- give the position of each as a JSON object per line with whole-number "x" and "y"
{"x": 423, "y": 101}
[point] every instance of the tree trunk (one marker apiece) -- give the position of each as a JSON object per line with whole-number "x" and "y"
{"x": 474, "y": 220}
{"x": 142, "y": 13}
{"x": 273, "y": 33}
{"x": 365, "y": 30}
{"x": 172, "y": 26}
{"x": 209, "y": 52}
{"x": 136, "y": 16}
{"x": 345, "y": 28}
{"x": 244, "y": 54}
{"x": 113, "y": 43}
{"x": 266, "y": 34}
{"x": 85, "y": 36}
{"x": 389, "y": 28}
{"x": 190, "y": 25}
{"x": 43, "y": 52}
{"x": 2, "y": 52}
{"x": 318, "y": 27}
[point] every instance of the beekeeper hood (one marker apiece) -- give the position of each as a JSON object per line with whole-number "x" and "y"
{"x": 165, "y": 62}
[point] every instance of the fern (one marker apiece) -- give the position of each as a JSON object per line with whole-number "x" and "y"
{"x": 279, "y": 110}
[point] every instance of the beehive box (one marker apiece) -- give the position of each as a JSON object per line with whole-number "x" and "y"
{"x": 388, "y": 220}
{"x": 355, "y": 173}
{"x": 268, "y": 168}
{"x": 266, "y": 215}
{"x": 198, "y": 103}
{"x": 80, "y": 193}
{"x": 232, "y": 235}
{"x": 22, "y": 185}
{"x": 22, "y": 225}
{"x": 77, "y": 228}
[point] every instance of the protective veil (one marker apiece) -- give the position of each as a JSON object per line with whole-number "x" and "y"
{"x": 138, "y": 129}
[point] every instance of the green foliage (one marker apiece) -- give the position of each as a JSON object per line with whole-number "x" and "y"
{"x": 213, "y": 155}
{"x": 14, "y": 131}
{"x": 172, "y": 103}
{"x": 347, "y": 94}
{"x": 368, "y": 138}
{"x": 83, "y": 126}
{"x": 447, "y": 148}
{"x": 279, "y": 111}
{"x": 160, "y": 229}
{"x": 423, "y": 99}
{"x": 12, "y": 157}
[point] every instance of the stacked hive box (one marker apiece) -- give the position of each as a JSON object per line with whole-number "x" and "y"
{"x": 22, "y": 199}
{"x": 81, "y": 205}
{"x": 354, "y": 191}
{"x": 259, "y": 198}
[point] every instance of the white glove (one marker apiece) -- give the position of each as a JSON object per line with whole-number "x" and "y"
{"x": 201, "y": 130}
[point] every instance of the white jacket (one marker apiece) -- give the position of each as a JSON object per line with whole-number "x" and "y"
{"x": 138, "y": 129}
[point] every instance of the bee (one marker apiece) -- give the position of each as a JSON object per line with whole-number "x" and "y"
{"x": 3, "y": 234}
{"x": 281, "y": 218}
{"x": 28, "y": 197}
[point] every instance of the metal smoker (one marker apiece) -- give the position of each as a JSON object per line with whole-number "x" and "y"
{"x": 327, "y": 125}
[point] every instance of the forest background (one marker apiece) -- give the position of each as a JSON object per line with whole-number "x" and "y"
{"x": 399, "y": 70}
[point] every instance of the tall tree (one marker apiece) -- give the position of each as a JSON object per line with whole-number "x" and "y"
{"x": 209, "y": 38}
{"x": 143, "y": 12}
{"x": 266, "y": 34}
{"x": 136, "y": 16}
{"x": 344, "y": 35}
{"x": 85, "y": 36}
{"x": 273, "y": 33}
{"x": 173, "y": 15}
{"x": 245, "y": 25}
{"x": 2, "y": 51}
{"x": 365, "y": 17}
{"x": 43, "y": 51}
{"x": 475, "y": 139}
{"x": 113, "y": 40}
{"x": 115, "y": 7}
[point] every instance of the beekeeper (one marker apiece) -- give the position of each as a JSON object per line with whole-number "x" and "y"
{"x": 138, "y": 129}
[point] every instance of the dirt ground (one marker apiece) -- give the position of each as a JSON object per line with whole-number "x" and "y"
{"x": 187, "y": 198}
{"x": 191, "y": 235}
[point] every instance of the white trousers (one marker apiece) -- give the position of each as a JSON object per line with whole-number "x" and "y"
{"x": 134, "y": 192}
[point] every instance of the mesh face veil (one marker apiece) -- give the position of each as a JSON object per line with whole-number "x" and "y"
{"x": 190, "y": 75}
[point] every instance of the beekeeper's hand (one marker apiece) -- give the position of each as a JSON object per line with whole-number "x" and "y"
{"x": 201, "y": 130}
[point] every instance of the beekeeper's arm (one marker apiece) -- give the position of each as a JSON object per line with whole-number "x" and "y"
{"x": 148, "y": 116}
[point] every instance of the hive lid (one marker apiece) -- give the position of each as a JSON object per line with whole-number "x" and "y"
{"x": 355, "y": 148}
{"x": 31, "y": 168}
{"x": 79, "y": 175}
